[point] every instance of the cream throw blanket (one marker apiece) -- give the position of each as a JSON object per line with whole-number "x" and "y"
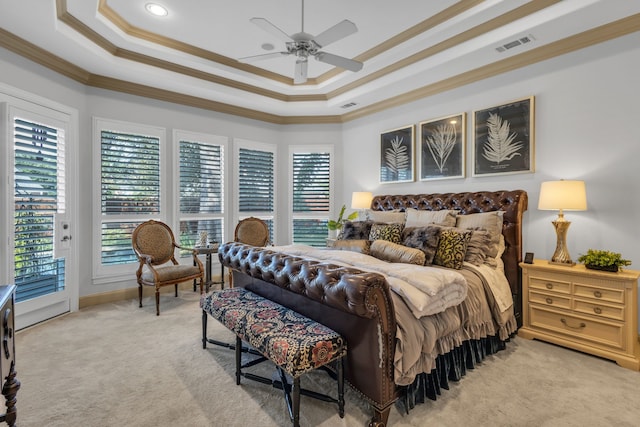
{"x": 426, "y": 290}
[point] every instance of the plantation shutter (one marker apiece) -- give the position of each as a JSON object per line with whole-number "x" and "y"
{"x": 311, "y": 197}
{"x": 256, "y": 185}
{"x": 201, "y": 192}
{"x": 256, "y": 181}
{"x": 39, "y": 193}
{"x": 130, "y": 187}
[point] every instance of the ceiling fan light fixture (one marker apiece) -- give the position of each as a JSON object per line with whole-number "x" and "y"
{"x": 156, "y": 9}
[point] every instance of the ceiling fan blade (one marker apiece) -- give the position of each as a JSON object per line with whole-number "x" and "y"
{"x": 254, "y": 58}
{"x": 300, "y": 74}
{"x": 335, "y": 33}
{"x": 270, "y": 28}
{"x": 339, "y": 61}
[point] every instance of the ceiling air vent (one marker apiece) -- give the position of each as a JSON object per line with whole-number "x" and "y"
{"x": 349, "y": 105}
{"x": 514, "y": 43}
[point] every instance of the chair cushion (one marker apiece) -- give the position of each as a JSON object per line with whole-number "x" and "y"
{"x": 171, "y": 272}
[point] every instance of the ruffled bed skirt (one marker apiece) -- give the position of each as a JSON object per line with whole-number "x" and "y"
{"x": 451, "y": 366}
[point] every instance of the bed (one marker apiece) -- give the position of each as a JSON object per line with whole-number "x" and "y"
{"x": 400, "y": 351}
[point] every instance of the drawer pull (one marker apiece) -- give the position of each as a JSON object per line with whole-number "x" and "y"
{"x": 549, "y": 285}
{"x": 597, "y": 310}
{"x": 564, "y": 322}
{"x": 597, "y": 294}
{"x": 549, "y": 301}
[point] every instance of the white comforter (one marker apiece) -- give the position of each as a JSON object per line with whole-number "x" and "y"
{"x": 426, "y": 290}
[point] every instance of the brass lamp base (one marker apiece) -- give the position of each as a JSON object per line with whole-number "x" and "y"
{"x": 561, "y": 255}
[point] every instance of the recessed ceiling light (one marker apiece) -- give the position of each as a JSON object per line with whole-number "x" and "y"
{"x": 268, "y": 46}
{"x": 156, "y": 9}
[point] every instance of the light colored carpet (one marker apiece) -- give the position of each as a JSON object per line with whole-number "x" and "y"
{"x": 117, "y": 364}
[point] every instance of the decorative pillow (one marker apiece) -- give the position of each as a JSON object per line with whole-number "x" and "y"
{"x": 416, "y": 218}
{"x": 490, "y": 221}
{"x": 361, "y": 246}
{"x": 423, "y": 238}
{"x": 392, "y": 252}
{"x": 386, "y": 217}
{"x": 452, "y": 248}
{"x": 390, "y": 232}
{"x": 356, "y": 230}
{"x": 478, "y": 247}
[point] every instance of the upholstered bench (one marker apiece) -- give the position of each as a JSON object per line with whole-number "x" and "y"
{"x": 293, "y": 342}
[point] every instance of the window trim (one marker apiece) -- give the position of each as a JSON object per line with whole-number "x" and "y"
{"x": 120, "y": 271}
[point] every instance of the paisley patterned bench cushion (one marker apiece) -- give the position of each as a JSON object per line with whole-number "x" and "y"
{"x": 292, "y": 341}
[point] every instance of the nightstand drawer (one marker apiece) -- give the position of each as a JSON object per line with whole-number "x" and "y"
{"x": 549, "y": 299}
{"x": 600, "y": 333}
{"x": 549, "y": 284}
{"x": 599, "y": 293}
{"x": 611, "y": 311}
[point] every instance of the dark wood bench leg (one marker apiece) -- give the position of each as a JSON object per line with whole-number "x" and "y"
{"x": 238, "y": 359}
{"x": 296, "y": 402}
{"x": 204, "y": 329}
{"x": 340, "y": 369}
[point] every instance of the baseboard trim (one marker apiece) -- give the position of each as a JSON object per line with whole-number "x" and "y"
{"x": 125, "y": 294}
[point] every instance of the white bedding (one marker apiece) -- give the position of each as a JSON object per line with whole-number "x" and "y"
{"x": 426, "y": 290}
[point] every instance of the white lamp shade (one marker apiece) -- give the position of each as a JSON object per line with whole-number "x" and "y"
{"x": 563, "y": 195}
{"x": 361, "y": 200}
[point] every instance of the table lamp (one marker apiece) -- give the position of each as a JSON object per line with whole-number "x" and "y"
{"x": 562, "y": 195}
{"x": 361, "y": 200}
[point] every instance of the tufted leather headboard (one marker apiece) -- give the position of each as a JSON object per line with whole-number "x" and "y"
{"x": 513, "y": 203}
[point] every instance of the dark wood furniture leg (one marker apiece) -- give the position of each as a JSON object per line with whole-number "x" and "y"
{"x": 9, "y": 391}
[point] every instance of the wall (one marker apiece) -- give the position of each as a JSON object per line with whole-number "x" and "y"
{"x": 587, "y": 115}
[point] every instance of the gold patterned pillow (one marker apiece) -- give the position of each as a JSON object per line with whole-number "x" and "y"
{"x": 390, "y": 232}
{"x": 452, "y": 248}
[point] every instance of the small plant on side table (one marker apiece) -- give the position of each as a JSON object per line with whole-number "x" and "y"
{"x": 336, "y": 225}
{"x": 603, "y": 260}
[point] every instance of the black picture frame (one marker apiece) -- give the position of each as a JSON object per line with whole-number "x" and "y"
{"x": 443, "y": 148}
{"x": 504, "y": 140}
{"x": 397, "y": 155}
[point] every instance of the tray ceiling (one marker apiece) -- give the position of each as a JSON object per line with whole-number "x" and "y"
{"x": 410, "y": 48}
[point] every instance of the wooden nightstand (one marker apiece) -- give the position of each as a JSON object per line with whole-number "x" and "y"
{"x": 587, "y": 310}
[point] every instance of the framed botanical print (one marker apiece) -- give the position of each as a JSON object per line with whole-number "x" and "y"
{"x": 396, "y": 155}
{"x": 504, "y": 138}
{"x": 442, "y": 148}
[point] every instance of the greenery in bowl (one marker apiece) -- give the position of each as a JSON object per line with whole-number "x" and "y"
{"x": 337, "y": 224}
{"x": 603, "y": 260}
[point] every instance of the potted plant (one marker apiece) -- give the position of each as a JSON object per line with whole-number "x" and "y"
{"x": 335, "y": 226}
{"x": 603, "y": 260}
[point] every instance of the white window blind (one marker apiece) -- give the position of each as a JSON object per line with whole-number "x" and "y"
{"x": 256, "y": 184}
{"x": 201, "y": 191}
{"x": 311, "y": 196}
{"x": 39, "y": 190}
{"x": 130, "y": 190}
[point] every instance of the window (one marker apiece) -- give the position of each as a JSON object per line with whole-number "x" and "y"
{"x": 39, "y": 194}
{"x": 311, "y": 171}
{"x": 201, "y": 187}
{"x": 130, "y": 185}
{"x": 256, "y": 181}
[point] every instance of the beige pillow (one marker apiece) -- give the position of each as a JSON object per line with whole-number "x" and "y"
{"x": 386, "y": 217}
{"x": 361, "y": 246}
{"x": 416, "y": 218}
{"x": 393, "y": 252}
{"x": 490, "y": 221}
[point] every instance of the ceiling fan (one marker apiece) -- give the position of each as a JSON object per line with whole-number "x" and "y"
{"x": 304, "y": 45}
